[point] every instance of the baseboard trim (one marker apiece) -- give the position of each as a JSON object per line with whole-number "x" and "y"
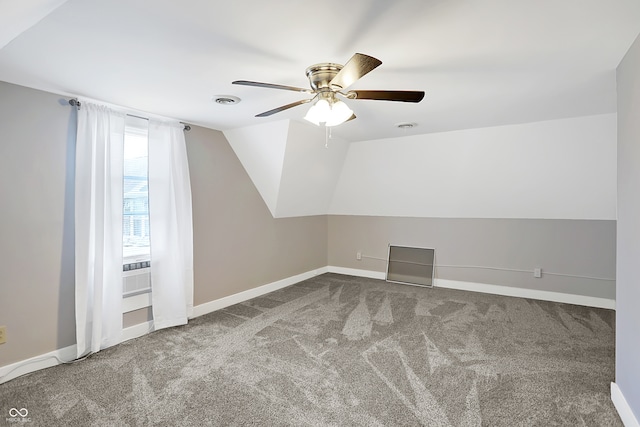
{"x": 67, "y": 354}
{"x": 494, "y": 289}
{"x": 357, "y": 272}
{"x": 527, "y": 293}
{"x": 63, "y": 355}
{"x": 622, "y": 406}
{"x": 47, "y": 360}
{"x": 211, "y": 306}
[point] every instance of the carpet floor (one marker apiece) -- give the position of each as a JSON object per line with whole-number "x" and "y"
{"x": 338, "y": 350}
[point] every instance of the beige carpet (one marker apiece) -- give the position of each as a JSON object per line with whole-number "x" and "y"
{"x": 343, "y": 351}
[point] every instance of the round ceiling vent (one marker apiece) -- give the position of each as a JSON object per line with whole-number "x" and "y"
{"x": 226, "y": 99}
{"x": 406, "y": 126}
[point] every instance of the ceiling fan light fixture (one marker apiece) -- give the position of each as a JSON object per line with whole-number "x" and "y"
{"x": 330, "y": 114}
{"x": 328, "y": 80}
{"x": 318, "y": 112}
{"x": 340, "y": 113}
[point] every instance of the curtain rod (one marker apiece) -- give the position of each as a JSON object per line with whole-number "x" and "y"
{"x": 74, "y": 102}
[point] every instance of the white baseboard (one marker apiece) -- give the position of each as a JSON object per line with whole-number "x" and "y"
{"x": 527, "y": 293}
{"x": 66, "y": 354}
{"x": 221, "y": 303}
{"x": 494, "y": 289}
{"x": 69, "y": 353}
{"x": 33, "y": 364}
{"x": 622, "y": 406}
{"x": 357, "y": 272}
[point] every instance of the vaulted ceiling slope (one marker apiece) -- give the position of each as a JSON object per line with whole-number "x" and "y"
{"x": 480, "y": 62}
{"x": 294, "y": 166}
{"x": 18, "y": 16}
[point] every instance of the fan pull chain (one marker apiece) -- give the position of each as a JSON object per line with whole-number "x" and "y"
{"x": 327, "y": 136}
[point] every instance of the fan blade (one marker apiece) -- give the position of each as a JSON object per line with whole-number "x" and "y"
{"x": 270, "y": 86}
{"x": 284, "y": 107}
{"x": 355, "y": 68}
{"x": 353, "y": 116}
{"x": 387, "y": 95}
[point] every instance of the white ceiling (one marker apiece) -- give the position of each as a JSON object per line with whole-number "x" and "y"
{"x": 480, "y": 62}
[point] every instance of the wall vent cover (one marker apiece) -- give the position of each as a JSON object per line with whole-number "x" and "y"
{"x": 410, "y": 265}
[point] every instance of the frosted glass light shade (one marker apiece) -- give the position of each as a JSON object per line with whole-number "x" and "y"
{"x": 330, "y": 115}
{"x": 340, "y": 113}
{"x": 318, "y": 112}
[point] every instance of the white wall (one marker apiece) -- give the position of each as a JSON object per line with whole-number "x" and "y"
{"x": 560, "y": 169}
{"x": 310, "y": 172}
{"x": 290, "y": 166}
{"x": 628, "y": 236}
{"x": 261, "y": 150}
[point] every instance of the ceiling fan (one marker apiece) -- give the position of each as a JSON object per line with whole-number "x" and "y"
{"x": 328, "y": 81}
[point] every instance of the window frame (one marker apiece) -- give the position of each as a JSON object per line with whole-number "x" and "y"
{"x": 136, "y": 127}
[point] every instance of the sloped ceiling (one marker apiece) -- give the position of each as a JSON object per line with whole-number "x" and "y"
{"x": 481, "y": 62}
{"x": 261, "y": 150}
{"x": 294, "y": 166}
{"x": 18, "y": 16}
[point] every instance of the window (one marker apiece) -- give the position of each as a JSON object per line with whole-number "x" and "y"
{"x": 136, "y": 251}
{"x": 135, "y": 206}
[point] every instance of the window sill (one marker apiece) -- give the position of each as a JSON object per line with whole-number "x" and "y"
{"x": 136, "y": 301}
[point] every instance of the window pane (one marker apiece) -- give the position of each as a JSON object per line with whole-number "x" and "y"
{"x": 135, "y": 226}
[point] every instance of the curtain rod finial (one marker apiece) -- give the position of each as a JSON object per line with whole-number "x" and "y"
{"x": 75, "y": 103}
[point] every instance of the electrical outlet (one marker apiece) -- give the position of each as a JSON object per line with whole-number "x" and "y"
{"x": 537, "y": 273}
{"x": 359, "y": 256}
{"x": 3, "y": 334}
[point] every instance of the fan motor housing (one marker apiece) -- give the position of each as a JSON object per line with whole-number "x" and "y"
{"x": 320, "y": 75}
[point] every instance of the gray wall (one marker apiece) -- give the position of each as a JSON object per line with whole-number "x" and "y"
{"x": 237, "y": 245}
{"x": 628, "y": 287}
{"x": 36, "y": 223}
{"x": 579, "y": 247}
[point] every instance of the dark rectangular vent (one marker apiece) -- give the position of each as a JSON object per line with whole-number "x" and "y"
{"x": 410, "y": 265}
{"x": 136, "y": 265}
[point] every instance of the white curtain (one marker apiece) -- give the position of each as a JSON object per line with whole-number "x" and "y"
{"x": 98, "y": 228}
{"x": 171, "y": 225}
